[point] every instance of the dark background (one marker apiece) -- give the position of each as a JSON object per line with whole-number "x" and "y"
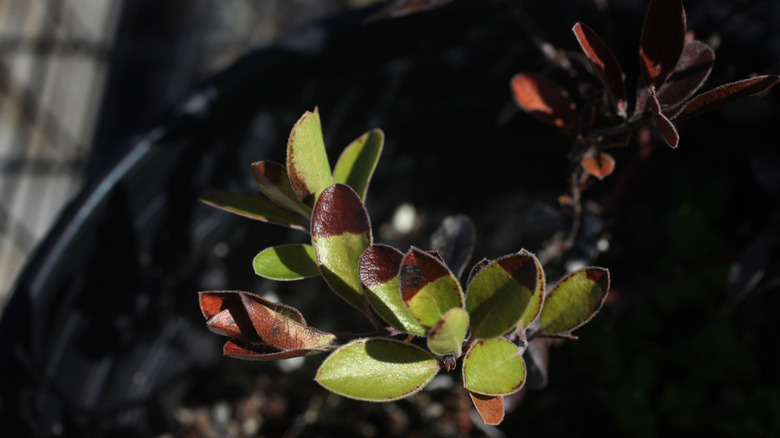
{"x": 103, "y": 336}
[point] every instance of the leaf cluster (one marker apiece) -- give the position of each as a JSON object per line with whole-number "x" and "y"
{"x": 426, "y": 320}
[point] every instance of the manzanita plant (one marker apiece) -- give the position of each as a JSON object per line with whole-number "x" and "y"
{"x": 673, "y": 68}
{"x": 426, "y": 320}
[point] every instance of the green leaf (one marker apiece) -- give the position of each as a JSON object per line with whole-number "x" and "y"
{"x": 273, "y": 181}
{"x": 307, "y": 160}
{"x": 534, "y": 307}
{"x": 446, "y": 336}
{"x": 356, "y": 164}
{"x": 377, "y": 369}
{"x": 499, "y": 294}
{"x": 574, "y": 301}
{"x": 340, "y": 232}
{"x": 428, "y": 288}
{"x": 255, "y": 207}
{"x": 286, "y": 262}
{"x": 378, "y": 269}
{"x": 494, "y": 367}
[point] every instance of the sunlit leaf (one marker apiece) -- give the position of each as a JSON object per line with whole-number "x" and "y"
{"x": 598, "y": 164}
{"x": 727, "y": 93}
{"x": 273, "y": 181}
{"x": 494, "y": 367}
{"x": 307, "y": 160}
{"x": 489, "y": 407}
{"x": 238, "y": 349}
{"x": 605, "y": 65}
{"x": 356, "y": 164}
{"x": 544, "y": 99}
{"x": 663, "y": 38}
{"x": 377, "y": 369}
{"x": 286, "y": 262}
{"x": 378, "y": 269}
{"x": 428, "y": 288}
{"x": 340, "y": 232}
{"x": 499, "y": 294}
{"x": 688, "y": 76}
{"x": 281, "y": 331}
{"x": 537, "y": 299}
{"x": 255, "y": 207}
{"x": 446, "y": 336}
{"x": 574, "y": 301}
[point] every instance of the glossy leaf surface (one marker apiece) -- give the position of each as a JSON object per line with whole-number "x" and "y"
{"x": 273, "y": 181}
{"x": 598, "y": 164}
{"x": 257, "y": 208}
{"x": 286, "y": 262}
{"x": 340, "y": 232}
{"x": 493, "y": 368}
{"x": 574, "y": 301}
{"x": 605, "y": 65}
{"x": 378, "y": 269}
{"x": 499, "y": 294}
{"x": 356, "y": 164}
{"x": 428, "y": 288}
{"x": 537, "y": 299}
{"x": 663, "y": 38}
{"x": 377, "y": 369}
{"x": 489, "y": 407}
{"x": 447, "y": 335}
{"x": 727, "y": 93}
{"x": 281, "y": 331}
{"x": 307, "y": 160}
{"x": 544, "y": 99}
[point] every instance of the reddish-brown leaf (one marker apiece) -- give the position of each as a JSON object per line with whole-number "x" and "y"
{"x": 598, "y": 164}
{"x": 339, "y": 211}
{"x": 259, "y": 351}
{"x": 605, "y": 65}
{"x": 225, "y": 314}
{"x": 663, "y": 37}
{"x": 280, "y": 331}
{"x": 490, "y": 408}
{"x": 544, "y": 99}
{"x": 727, "y": 93}
{"x": 662, "y": 123}
{"x": 688, "y": 76}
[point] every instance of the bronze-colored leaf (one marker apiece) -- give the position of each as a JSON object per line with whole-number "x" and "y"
{"x": 727, "y": 93}
{"x": 605, "y": 65}
{"x": 489, "y": 407}
{"x": 688, "y": 76}
{"x": 259, "y": 351}
{"x": 544, "y": 99}
{"x": 662, "y": 123}
{"x": 598, "y": 164}
{"x": 663, "y": 38}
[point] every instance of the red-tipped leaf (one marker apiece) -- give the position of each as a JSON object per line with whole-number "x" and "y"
{"x": 544, "y": 99}
{"x": 605, "y": 65}
{"x": 663, "y": 38}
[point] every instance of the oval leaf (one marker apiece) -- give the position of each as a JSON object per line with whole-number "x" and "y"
{"x": 257, "y": 208}
{"x": 605, "y": 65}
{"x": 428, "y": 288}
{"x": 574, "y": 301}
{"x": 307, "y": 160}
{"x": 273, "y": 181}
{"x": 377, "y": 369}
{"x": 537, "y": 299}
{"x": 544, "y": 100}
{"x": 663, "y": 38}
{"x": 238, "y": 349}
{"x": 446, "y": 336}
{"x": 280, "y": 331}
{"x": 662, "y": 123}
{"x": 356, "y": 164}
{"x": 727, "y": 93}
{"x": 490, "y": 408}
{"x": 688, "y": 76}
{"x": 286, "y": 262}
{"x": 340, "y": 232}
{"x": 378, "y": 270}
{"x": 499, "y": 294}
{"x": 598, "y": 164}
{"x": 493, "y": 368}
